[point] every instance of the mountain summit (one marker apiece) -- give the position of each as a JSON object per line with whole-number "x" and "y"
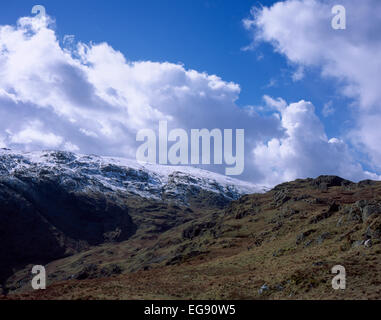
{"x": 76, "y": 172}
{"x": 54, "y": 203}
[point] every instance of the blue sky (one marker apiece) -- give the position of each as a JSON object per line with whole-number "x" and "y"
{"x": 205, "y": 35}
{"x": 209, "y": 36}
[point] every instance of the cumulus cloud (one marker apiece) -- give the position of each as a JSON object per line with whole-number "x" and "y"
{"x": 33, "y": 134}
{"x": 90, "y": 98}
{"x": 305, "y": 150}
{"x": 301, "y": 30}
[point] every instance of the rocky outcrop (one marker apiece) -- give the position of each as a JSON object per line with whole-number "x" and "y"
{"x": 324, "y": 182}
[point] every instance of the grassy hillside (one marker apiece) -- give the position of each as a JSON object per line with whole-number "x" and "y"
{"x": 277, "y": 245}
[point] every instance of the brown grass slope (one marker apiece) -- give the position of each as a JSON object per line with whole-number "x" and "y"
{"x": 287, "y": 239}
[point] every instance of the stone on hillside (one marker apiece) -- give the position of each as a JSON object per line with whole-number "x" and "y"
{"x": 368, "y": 243}
{"x": 326, "y": 213}
{"x": 363, "y": 209}
{"x": 370, "y": 210}
{"x": 263, "y": 289}
{"x": 323, "y": 237}
{"x": 304, "y": 235}
{"x": 374, "y": 230}
{"x": 281, "y": 197}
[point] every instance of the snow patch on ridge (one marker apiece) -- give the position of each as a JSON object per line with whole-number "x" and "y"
{"x": 118, "y": 174}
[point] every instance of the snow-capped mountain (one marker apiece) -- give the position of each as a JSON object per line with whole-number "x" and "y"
{"x": 54, "y": 204}
{"x": 78, "y": 172}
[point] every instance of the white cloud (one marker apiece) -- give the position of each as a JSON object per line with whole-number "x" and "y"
{"x": 89, "y": 98}
{"x": 33, "y": 134}
{"x": 272, "y": 83}
{"x": 2, "y": 143}
{"x": 88, "y": 133}
{"x": 298, "y": 74}
{"x": 328, "y": 109}
{"x": 68, "y": 146}
{"x": 301, "y": 30}
{"x": 305, "y": 150}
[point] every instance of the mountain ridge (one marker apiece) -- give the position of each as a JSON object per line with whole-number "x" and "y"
{"x": 54, "y": 204}
{"x": 280, "y": 244}
{"x": 110, "y": 172}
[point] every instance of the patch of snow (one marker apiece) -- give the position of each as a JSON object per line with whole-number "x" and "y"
{"x": 119, "y": 174}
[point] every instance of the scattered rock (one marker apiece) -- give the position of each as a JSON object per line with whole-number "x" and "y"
{"x": 323, "y": 237}
{"x": 301, "y": 237}
{"x": 370, "y": 210}
{"x": 353, "y": 213}
{"x": 281, "y": 197}
{"x": 263, "y": 289}
{"x": 308, "y": 243}
{"x": 368, "y": 243}
{"x": 277, "y": 226}
{"x": 374, "y": 230}
{"x": 326, "y": 214}
{"x": 279, "y": 287}
{"x": 362, "y": 210}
